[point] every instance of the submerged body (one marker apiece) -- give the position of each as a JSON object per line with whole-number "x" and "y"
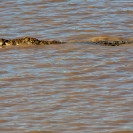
{"x": 35, "y": 41}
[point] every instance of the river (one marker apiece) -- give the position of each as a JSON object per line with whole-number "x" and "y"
{"x": 66, "y": 88}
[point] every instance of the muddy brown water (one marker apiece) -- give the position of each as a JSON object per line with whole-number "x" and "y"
{"x": 66, "y": 88}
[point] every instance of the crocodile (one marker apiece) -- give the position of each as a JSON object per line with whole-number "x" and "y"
{"x": 35, "y": 41}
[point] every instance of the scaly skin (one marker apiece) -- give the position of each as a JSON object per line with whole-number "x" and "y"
{"x": 2, "y": 42}
{"x": 28, "y": 41}
{"x": 112, "y": 43}
{"x": 34, "y": 41}
{"x": 23, "y": 41}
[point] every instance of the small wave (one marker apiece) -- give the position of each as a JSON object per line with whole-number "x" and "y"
{"x": 41, "y": 132}
{"x": 123, "y": 131}
{"x": 104, "y": 38}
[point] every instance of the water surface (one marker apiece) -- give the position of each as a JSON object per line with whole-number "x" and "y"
{"x": 66, "y": 88}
